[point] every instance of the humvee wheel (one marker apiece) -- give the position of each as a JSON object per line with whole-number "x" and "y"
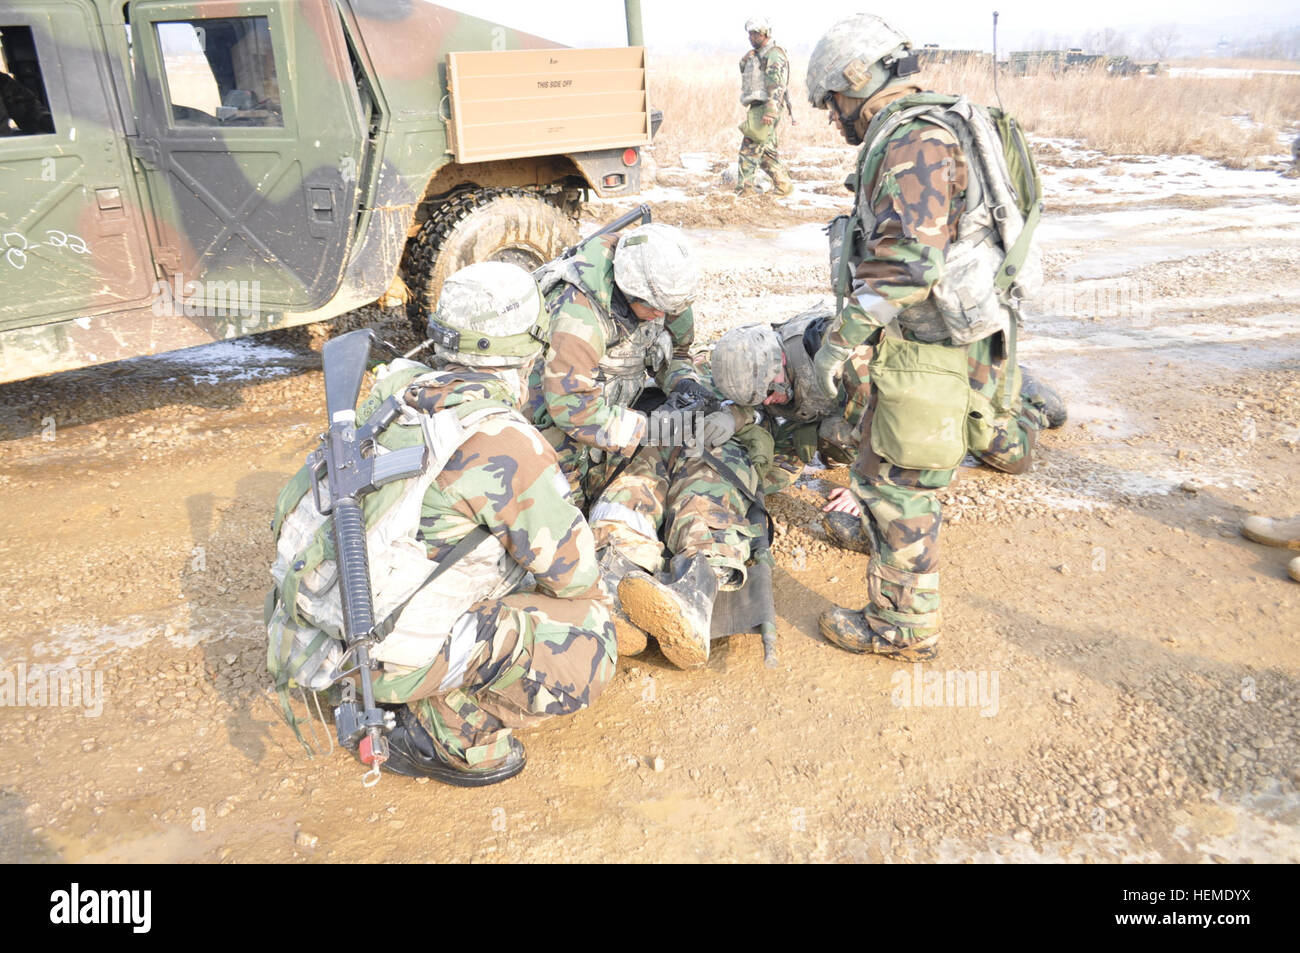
{"x": 511, "y": 225}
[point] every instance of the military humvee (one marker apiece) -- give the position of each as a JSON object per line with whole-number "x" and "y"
{"x": 173, "y": 172}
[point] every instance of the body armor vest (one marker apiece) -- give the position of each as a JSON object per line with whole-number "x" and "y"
{"x": 398, "y": 561}
{"x": 963, "y": 305}
{"x": 807, "y": 405}
{"x": 753, "y": 82}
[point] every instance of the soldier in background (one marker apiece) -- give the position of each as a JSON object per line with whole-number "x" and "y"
{"x": 23, "y": 107}
{"x": 764, "y": 82}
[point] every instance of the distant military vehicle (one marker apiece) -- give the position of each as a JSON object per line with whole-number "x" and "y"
{"x": 1057, "y": 62}
{"x": 932, "y": 54}
{"x": 173, "y": 173}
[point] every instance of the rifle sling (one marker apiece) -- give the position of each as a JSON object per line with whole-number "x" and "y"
{"x": 458, "y": 552}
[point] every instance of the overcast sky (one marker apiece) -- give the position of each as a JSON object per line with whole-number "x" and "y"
{"x": 682, "y": 24}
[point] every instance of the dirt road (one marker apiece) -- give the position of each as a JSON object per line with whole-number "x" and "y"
{"x": 1119, "y": 668}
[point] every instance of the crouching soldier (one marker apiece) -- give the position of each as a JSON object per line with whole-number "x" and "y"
{"x": 619, "y": 307}
{"x": 484, "y": 573}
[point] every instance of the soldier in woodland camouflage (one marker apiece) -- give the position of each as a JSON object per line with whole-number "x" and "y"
{"x": 764, "y": 86}
{"x": 618, "y": 308}
{"x": 921, "y": 260}
{"x": 473, "y": 656}
{"x": 693, "y": 502}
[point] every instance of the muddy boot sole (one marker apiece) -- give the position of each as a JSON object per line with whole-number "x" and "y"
{"x": 649, "y": 607}
{"x": 631, "y": 640}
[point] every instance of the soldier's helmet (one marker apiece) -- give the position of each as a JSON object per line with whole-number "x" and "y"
{"x": 758, "y": 25}
{"x": 486, "y": 316}
{"x": 746, "y": 363}
{"x": 855, "y": 57}
{"x": 656, "y": 264}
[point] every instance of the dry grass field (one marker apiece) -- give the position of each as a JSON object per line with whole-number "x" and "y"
{"x": 1233, "y": 119}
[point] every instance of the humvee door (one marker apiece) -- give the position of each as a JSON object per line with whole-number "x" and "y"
{"x": 72, "y": 236}
{"x": 251, "y": 135}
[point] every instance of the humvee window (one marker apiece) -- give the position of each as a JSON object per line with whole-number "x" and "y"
{"x": 24, "y": 108}
{"x": 221, "y": 72}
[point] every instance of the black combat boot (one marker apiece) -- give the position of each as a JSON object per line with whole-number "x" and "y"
{"x": 845, "y": 531}
{"x": 1035, "y": 392}
{"x": 679, "y": 614}
{"x": 413, "y": 754}
{"x": 614, "y": 566}
{"x": 850, "y": 630}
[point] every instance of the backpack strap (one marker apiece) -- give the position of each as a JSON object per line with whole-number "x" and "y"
{"x": 458, "y": 552}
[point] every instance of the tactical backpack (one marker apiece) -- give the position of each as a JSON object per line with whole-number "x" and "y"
{"x": 927, "y": 416}
{"x": 303, "y": 611}
{"x": 1001, "y": 168}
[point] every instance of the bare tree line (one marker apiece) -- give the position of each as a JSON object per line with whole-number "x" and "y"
{"x": 1162, "y": 42}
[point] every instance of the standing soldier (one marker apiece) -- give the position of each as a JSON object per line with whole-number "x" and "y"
{"x": 929, "y": 269}
{"x": 764, "y": 82}
{"x": 470, "y": 654}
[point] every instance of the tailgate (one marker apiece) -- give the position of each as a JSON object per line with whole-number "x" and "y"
{"x": 514, "y": 103}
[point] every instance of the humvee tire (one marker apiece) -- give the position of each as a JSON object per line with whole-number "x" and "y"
{"x": 511, "y": 225}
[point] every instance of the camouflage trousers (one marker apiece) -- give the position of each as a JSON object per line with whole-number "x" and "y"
{"x": 508, "y": 663}
{"x": 686, "y": 501}
{"x": 765, "y": 155}
{"x": 585, "y": 476}
{"x": 901, "y": 512}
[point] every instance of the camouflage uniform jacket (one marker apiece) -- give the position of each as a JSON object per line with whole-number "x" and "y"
{"x": 911, "y": 201}
{"x": 765, "y": 77}
{"x": 506, "y": 478}
{"x": 589, "y": 318}
{"x": 21, "y": 105}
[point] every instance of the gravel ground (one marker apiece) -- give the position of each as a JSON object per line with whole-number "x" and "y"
{"x": 1118, "y": 672}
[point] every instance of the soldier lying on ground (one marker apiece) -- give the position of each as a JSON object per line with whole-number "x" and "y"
{"x": 771, "y": 370}
{"x": 696, "y": 491}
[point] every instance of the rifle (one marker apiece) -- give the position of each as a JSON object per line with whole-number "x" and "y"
{"x": 641, "y": 212}
{"x": 348, "y": 466}
{"x": 788, "y": 108}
